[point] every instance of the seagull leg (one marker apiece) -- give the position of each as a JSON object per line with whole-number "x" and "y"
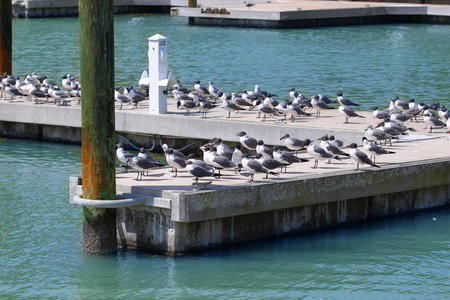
{"x": 176, "y": 173}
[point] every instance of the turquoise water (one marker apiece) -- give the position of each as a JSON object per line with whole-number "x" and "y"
{"x": 369, "y": 64}
{"x": 406, "y": 257}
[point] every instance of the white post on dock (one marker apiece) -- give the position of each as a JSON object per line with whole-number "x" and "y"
{"x": 157, "y": 73}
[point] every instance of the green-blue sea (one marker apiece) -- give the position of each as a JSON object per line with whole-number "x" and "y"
{"x": 406, "y": 257}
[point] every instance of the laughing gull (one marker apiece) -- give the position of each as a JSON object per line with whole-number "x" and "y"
{"x": 188, "y": 105}
{"x": 200, "y": 89}
{"x": 373, "y": 149}
{"x": 401, "y": 105}
{"x": 174, "y": 161}
{"x": 360, "y": 157}
{"x": 59, "y": 95}
{"x": 134, "y": 95}
{"x": 146, "y": 155}
{"x": 199, "y": 172}
{"x": 241, "y": 101}
{"x": 401, "y": 117}
{"x": 144, "y": 82}
{"x": 380, "y": 114}
{"x": 263, "y": 149}
{"x": 265, "y": 110}
{"x": 191, "y": 158}
{"x": 374, "y": 134}
{"x": 318, "y": 153}
{"x": 120, "y": 97}
{"x": 142, "y": 164}
{"x": 344, "y": 101}
{"x": 293, "y": 94}
{"x": 122, "y": 155}
{"x": 237, "y": 156}
{"x": 334, "y": 141}
{"x": 269, "y": 163}
{"x": 292, "y": 143}
{"x": 12, "y": 91}
{"x": 223, "y": 149}
{"x": 254, "y": 167}
{"x": 444, "y": 113}
{"x": 318, "y": 105}
{"x": 37, "y": 93}
{"x": 348, "y": 112}
{"x": 246, "y": 141}
{"x": 213, "y": 90}
{"x": 331, "y": 148}
{"x": 295, "y": 111}
{"x": 181, "y": 88}
{"x": 286, "y": 158}
{"x": 303, "y": 101}
{"x": 220, "y": 162}
{"x": 230, "y": 107}
{"x": 432, "y": 120}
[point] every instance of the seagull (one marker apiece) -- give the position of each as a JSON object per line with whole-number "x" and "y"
{"x": 241, "y": 101}
{"x": 302, "y": 101}
{"x": 12, "y": 91}
{"x": 375, "y": 134}
{"x": 181, "y": 88}
{"x": 318, "y": 153}
{"x": 295, "y": 111}
{"x": 293, "y": 94}
{"x": 254, "y": 167}
{"x": 380, "y": 114}
{"x": 374, "y": 149}
{"x": 146, "y": 156}
{"x": 248, "y": 4}
{"x": 400, "y": 104}
{"x": 348, "y": 112}
{"x": 360, "y": 157}
{"x": 292, "y": 143}
{"x": 37, "y": 93}
{"x": 237, "y": 156}
{"x": 263, "y": 149}
{"x": 58, "y": 95}
{"x": 223, "y": 149}
{"x": 269, "y": 163}
{"x": 432, "y": 120}
{"x": 142, "y": 164}
{"x": 144, "y": 82}
{"x": 198, "y": 171}
{"x": 401, "y": 117}
{"x": 133, "y": 95}
{"x": 230, "y": 107}
{"x": 265, "y": 110}
{"x": 200, "y": 89}
{"x": 335, "y": 142}
{"x": 220, "y": 162}
{"x": 345, "y": 101}
{"x": 331, "y": 148}
{"x": 120, "y": 97}
{"x": 286, "y": 158}
{"x": 174, "y": 161}
{"x": 324, "y": 99}
{"x": 318, "y": 105}
{"x": 444, "y": 113}
{"x": 187, "y": 105}
{"x": 213, "y": 90}
{"x": 246, "y": 141}
{"x": 191, "y": 158}
{"x": 123, "y": 156}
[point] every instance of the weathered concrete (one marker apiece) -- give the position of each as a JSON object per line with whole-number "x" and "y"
{"x": 196, "y": 220}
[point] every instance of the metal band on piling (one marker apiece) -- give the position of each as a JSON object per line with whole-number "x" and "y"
{"x": 108, "y": 203}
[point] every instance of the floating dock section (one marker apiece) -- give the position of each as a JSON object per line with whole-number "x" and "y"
{"x": 300, "y": 13}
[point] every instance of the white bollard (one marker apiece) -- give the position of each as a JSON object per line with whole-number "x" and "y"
{"x": 157, "y": 72}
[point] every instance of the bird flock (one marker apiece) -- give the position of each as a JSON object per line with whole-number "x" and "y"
{"x": 251, "y": 155}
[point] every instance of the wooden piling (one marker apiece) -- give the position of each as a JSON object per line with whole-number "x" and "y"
{"x": 98, "y": 127}
{"x": 5, "y": 36}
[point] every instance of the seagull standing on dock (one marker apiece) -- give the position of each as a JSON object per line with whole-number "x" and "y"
{"x": 199, "y": 172}
{"x": 123, "y": 156}
{"x": 360, "y": 157}
{"x": 141, "y": 165}
{"x": 432, "y": 120}
{"x": 120, "y": 97}
{"x": 286, "y": 158}
{"x": 174, "y": 161}
{"x": 254, "y": 167}
{"x": 373, "y": 149}
{"x": 348, "y": 112}
{"x": 200, "y": 89}
{"x": 344, "y": 101}
{"x": 292, "y": 143}
{"x": 318, "y": 104}
{"x": 248, "y": 4}
{"x": 246, "y": 141}
{"x": 318, "y": 153}
{"x": 263, "y": 149}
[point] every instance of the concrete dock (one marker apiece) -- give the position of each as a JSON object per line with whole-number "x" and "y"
{"x": 307, "y": 13}
{"x": 171, "y": 215}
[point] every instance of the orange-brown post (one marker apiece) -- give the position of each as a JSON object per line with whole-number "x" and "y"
{"x": 5, "y": 36}
{"x": 98, "y": 131}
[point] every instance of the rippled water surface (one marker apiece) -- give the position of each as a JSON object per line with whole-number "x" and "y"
{"x": 406, "y": 257}
{"x": 369, "y": 64}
